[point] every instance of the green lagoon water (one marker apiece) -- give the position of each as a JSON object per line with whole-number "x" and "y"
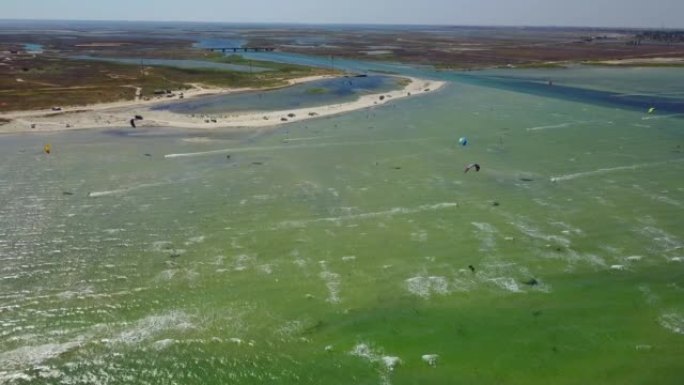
{"x": 337, "y": 250}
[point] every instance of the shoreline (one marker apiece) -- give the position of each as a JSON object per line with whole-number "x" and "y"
{"x": 118, "y": 114}
{"x": 639, "y": 62}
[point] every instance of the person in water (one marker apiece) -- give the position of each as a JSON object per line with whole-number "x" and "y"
{"x": 472, "y": 165}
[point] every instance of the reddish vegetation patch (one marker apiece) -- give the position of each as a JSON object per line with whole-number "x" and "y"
{"x": 112, "y": 44}
{"x": 476, "y": 47}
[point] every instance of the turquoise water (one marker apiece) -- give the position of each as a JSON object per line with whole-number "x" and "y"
{"x": 355, "y": 66}
{"x": 572, "y": 90}
{"x": 33, "y": 48}
{"x": 337, "y": 250}
{"x": 220, "y": 43}
{"x": 629, "y": 81}
{"x": 310, "y": 94}
{"x": 177, "y": 63}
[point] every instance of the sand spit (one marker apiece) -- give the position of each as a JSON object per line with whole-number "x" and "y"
{"x": 645, "y": 61}
{"x": 118, "y": 114}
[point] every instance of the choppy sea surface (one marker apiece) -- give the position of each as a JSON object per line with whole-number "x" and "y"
{"x": 354, "y": 249}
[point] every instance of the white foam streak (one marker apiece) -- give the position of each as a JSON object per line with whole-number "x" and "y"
{"x": 427, "y": 286}
{"x": 506, "y": 283}
{"x": 430, "y": 359}
{"x": 667, "y": 241}
{"x": 375, "y": 214}
{"x": 95, "y": 194}
{"x": 388, "y": 363}
{"x": 673, "y": 322}
{"x": 661, "y": 117}
{"x": 308, "y": 138}
{"x": 487, "y": 235}
{"x": 600, "y": 171}
{"x": 152, "y": 325}
{"x": 124, "y": 190}
{"x": 34, "y": 355}
{"x": 332, "y": 282}
{"x": 223, "y": 151}
{"x": 566, "y": 124}
{"x": 550, "y": 126}
{"x": 277, "y": 148}
{"x": 533, "y": 232}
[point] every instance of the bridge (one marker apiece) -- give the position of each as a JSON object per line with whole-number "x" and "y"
{"x": 241, "y": 49}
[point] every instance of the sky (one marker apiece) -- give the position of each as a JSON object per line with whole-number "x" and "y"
{"x": 581, "y": 13}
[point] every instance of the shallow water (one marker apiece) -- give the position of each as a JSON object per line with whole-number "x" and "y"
{"x": 33, "y": 48}
{"x": 310, "y": 94}
{"x": 575, "y": 90}
{"x": 236, "y": 42}
{"x": 356, "y": 66}
{"x": 337, "y": 250}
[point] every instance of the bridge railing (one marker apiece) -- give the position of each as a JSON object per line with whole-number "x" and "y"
{"x": 241, "y": 49}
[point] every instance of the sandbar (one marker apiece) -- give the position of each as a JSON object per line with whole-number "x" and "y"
{"x": 119, "y": 114}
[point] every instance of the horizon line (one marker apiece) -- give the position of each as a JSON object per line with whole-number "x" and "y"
{"x": 350, "y": 24}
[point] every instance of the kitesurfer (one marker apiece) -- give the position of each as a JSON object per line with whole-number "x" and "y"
{"x": 472, "y": 165}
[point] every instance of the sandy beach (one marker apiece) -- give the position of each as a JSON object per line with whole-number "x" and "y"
{"x": 645, "y": 61}
{"x": 118, "y": 114}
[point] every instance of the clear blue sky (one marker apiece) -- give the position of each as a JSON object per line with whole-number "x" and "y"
{"x": 603, "y": 13}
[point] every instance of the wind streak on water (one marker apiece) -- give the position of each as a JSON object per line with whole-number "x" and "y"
{"x": 308, "y": 138}
{"x": 374, "y": 214}
{"x": 275, "y": 148}
{"x": 95, "y": 194}
{"x": 661, "y": 116}
{"x": 563, "y": 125}
{"x": 609, "y": 170}
{"x": 647, "y": 94}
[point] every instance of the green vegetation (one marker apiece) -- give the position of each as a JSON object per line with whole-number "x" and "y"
{"x": 317, "y": 91}
{"x": 386, "y": 72}
{"x": 389, "y": 56}
{"x": 241, "y": 60}
{"x": 43, "y": 82}
{"x": 542, "y": 65}
{"x": 402, "y": 82}
{"x": 451, "y": 67}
